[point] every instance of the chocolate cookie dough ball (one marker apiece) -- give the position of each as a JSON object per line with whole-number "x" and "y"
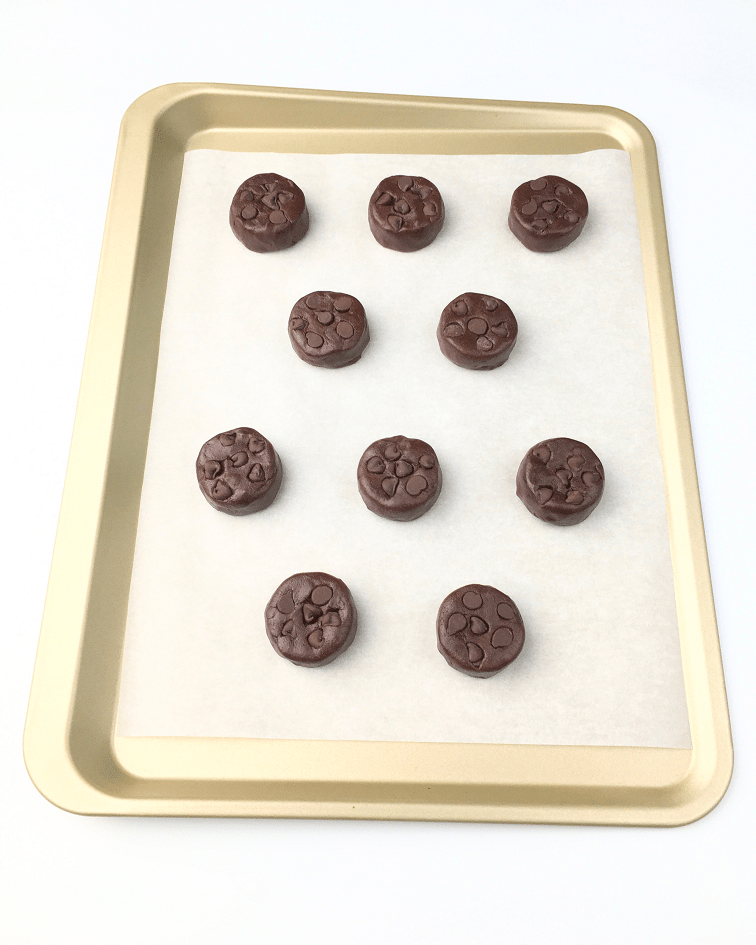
{"x": 406, "y": 213}
{"x": 547, "y": 214}
{"x": 477, "y": 331}
{"x": 239, "y": 472}
{"x": 269, "y": 212}
{"x": 479, "y": 630}
{"x": 311, "y": 619}
{"x": 399, "y": 478}
{"x": 328, "y": 329}
{"x": 560, "y": 481}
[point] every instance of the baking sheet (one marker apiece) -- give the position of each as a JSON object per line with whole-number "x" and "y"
{"x": 601, "y": 664}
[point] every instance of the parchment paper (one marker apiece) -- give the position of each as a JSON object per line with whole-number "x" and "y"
{"x": 601, "y": 662}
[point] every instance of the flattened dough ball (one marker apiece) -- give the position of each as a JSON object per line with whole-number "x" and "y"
{"x": 548, "y": 213}
{"x": 269, "y": 213}
{"x": 405, "y": 213}
{"x": 311, "y": 619}
{"x": 239, "y": 472}
{"x": 477, "y": 331}
{"x": 399, "y": 478}
{"x": 328, "y": 329}
{"x": 479, "y": 630}
{"x": 560, "y": 481}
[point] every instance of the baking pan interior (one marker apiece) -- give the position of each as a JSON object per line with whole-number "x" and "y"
{"x": 71, "y": 751}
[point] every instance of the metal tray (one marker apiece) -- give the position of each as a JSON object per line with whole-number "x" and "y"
{"x": 71, "y": 751}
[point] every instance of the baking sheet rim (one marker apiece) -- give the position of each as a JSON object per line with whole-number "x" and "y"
{"x": 85, "y": 769}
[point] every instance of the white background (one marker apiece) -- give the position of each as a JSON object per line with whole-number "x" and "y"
{"x": 69, "y": 72}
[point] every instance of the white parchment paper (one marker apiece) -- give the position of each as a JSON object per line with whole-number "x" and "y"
{"x": 601, "y": 662}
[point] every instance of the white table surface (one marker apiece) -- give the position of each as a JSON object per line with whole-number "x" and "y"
{"x": 69, "y": 72}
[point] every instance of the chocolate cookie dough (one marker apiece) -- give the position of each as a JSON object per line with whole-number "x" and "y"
{"x": 399, "y": 478}
{"x": 310, "y": 619}
{"x": 269, "y": 212}
{"x": 479, "y": 630}
{"x": 477, "y": 331}
{"x": 406, "y": 213}
{"x": 328, "y": 329}
{"x": 239, "y": 472}
{"x": 560, "y": 481}
{"x": 547, "y": 214}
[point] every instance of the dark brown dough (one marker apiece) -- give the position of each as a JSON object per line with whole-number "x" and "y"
{"x": 328, "y": 329}
{"x": 399, "y": 478}
{"x": 477, "y": 331}
{"x": 268, "y": 213}
{"x": 239, "y": 472}
{"x": 548, "y": 213}
{"x": 479, "y": 630}
{"x": 560, "y": 481}
{"x": 311, "y": 619}
{"x": 406, "y": 213}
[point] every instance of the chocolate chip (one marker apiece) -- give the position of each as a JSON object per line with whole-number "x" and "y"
{"x": 543, "y": 495}
{"x": 270, "y": 201}
{"x": 249, "y": 212}
{"x": 427, "y": 462}
{"x": 256, "y": 473}
{"x": 395, "y": 222}
{"x": 404, "y": 183}
{"x": 576, "y": 462}
{"x": 416, "y": 485}
{"x": 376, "y": 465}
{"x": 574, "y": 497}
{"x": 454, "y": 330}
{"x": 344, "y": 330}
{"x": 389, "y": 485}
{"x": 456, "y": 623}
{"x": 392, "y": 451}
{"x": 311, "y": 613}
{"x": 430, "y": 209}
{"x": 277, "y": 217}
{"x": 213, "y": 470}
{"x": 343, "y": 303}
{"x": 384, "y": 199}
{"x": 286, "y": 604}
{"x": 472, "y": 600}
{"x": 401, "y": 206}
{"x": 485, "y": 344}
{"x": 459, "y": 307}
{"x": 403, "y": 469}
{"x": 539, "y": 184}
{"x": 474, "y": 653}
{"x": 331, "y": 619}
{"x": 227, "y": 439}
{"x": 478, "y": 625}
{"x": 313, "y": 301}
{"x": 314, "y": 340}
{"x": 542, "y": 453}
{"x": 325, "y": 318}
{"x": 321, "y": 595}
{"x": 502, "y": 637}
{"x": 239, "y": 459}
{"x": 221, "y": 490}
{"x": 478, "y": 326}
{"x": 505, "y": 611}
{"x": 550, "y": 206}
{"x": 316, "y": 639}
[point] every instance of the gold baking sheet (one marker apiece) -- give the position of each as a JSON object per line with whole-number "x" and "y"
{"x": 72, "y": 753}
